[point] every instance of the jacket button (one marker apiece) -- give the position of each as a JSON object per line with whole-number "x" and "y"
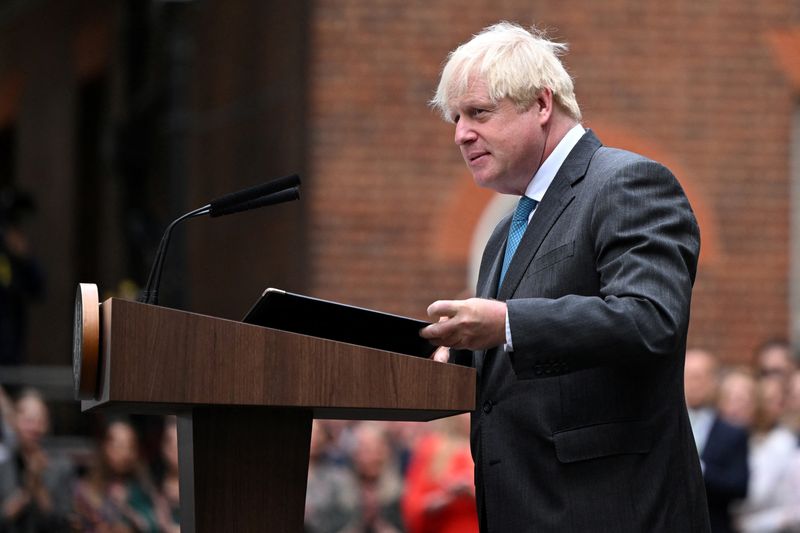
{"x": 487, "y": 406}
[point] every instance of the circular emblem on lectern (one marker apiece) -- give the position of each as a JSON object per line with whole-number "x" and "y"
{"x": 86, "y": 341}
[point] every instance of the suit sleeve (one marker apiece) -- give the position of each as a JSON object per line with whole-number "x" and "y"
{"x": 645, "y": 245}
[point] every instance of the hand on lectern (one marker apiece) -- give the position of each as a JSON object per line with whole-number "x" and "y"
{"x": 472, "y": 324}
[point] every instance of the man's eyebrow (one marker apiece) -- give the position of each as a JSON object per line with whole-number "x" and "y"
{"x": 472, "y": 103}
{"x": 477, "y": 101}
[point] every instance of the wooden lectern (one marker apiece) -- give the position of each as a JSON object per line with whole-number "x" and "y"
{"x": 245, "y": 397}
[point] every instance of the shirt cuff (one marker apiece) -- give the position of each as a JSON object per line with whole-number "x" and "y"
{"x": 509, "y": 345}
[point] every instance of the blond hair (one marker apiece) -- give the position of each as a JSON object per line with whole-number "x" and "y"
{"x": 515, "y": 63}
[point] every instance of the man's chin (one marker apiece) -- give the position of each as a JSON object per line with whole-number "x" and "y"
{"x": 485, "y": 180}
{"x": 491, "y": 182}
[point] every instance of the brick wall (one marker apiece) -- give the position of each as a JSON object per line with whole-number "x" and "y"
{"x": 692, "y": 84}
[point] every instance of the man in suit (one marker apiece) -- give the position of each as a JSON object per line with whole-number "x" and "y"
{"x": 722, "y": 446}
{"x": 578, "y": 330}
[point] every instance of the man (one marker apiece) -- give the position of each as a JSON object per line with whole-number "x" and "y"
{"x": 578, "y": 335}
{"x": 774, "y": 359}
{"x": 722, "y": 446}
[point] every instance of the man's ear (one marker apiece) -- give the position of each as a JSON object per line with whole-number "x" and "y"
{"x": 544, "y": 99}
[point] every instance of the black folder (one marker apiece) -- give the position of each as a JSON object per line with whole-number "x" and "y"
{"x": 339, "y": 322}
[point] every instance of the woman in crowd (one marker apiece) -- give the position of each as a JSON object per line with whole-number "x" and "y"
{"x": 118, "y": 494}
{"x": 440, "y": 490}
{"x": 34, "y": 486}
{"x": 792, "y": 414}
{"x": 773, "y": 494}
{"x": 170, "y": 490}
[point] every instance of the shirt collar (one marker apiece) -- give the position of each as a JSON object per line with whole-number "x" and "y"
{"x": 547, "y": 172}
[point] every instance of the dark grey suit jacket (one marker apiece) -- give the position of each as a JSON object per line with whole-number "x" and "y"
{"x": 584, "y": 427}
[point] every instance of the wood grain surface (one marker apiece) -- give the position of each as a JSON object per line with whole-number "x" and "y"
{"x": 243, "y": 469}
{"x": 161, "y": 360}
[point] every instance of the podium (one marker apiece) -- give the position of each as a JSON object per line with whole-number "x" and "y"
{"x": 245, "y": 396}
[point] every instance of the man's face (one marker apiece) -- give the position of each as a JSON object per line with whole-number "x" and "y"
{"x": 776, "y": 361}
{"x": 501, "y": 145}
{"x": 699, "y": 380}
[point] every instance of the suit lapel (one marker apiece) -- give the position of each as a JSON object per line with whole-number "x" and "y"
{"x": 487, "y": 287}
{"x": 556, "y": 199}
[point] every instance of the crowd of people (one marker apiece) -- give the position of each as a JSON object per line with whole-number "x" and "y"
{"x": 112, "y": 489}
{"x": 746, "y": 424}
{"x": 402, "y": 476}
{"x": 363, "y": 476}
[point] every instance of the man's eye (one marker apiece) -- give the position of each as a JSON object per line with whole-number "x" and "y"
{"x": 455, "y": 118}
{"x": 478, "y": 112}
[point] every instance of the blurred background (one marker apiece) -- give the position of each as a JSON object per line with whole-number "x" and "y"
{"x": 116, "y": 116}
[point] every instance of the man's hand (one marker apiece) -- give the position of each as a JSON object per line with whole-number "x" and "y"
{"x": 473, "y": 324}
{"x": 442, "y": 354}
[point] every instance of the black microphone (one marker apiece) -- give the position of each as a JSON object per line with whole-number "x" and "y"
{"x": 279, "y": 197}
{"x": 277, "y": 191}
{"x": 222, "y": 205}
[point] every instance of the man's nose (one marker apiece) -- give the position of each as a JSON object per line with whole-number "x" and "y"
{"x": 464, "y": 132}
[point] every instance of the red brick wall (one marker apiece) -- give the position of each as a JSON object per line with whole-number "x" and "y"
{"x": 693, "y": 84}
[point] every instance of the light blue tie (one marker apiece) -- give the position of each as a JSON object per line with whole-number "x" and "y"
{"x": 519, "y": 222}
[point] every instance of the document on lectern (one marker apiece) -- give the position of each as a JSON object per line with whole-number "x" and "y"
{"x": 305, "y": 315}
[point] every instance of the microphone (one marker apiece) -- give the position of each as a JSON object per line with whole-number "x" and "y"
{"x": 277, "y": 191}
{"x": 286, "y": 195}
{"x": 221, "y": 205}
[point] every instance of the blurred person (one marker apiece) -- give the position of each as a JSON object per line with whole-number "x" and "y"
{"x": 582, "y": 309}
{"x": 21, "y": 277}
{"x": 722, "y": 446}
{"x": 332, "y": 492}
{"x": 774, "y": 359}
{"x": 35, "y": 487}
{"x": 379, "y": 485}
{"x": 737, "y": 397}
{"x": 169, "y": 516}
{"x": 403, "y": 437}
{"x": 118, "y": 494}
{"x": 440, "y": 492}
{"x": 792, "y": 412}
{"x": 6, "y": 420}
{"x": 773, "y": 496}
{"x": 341, "y": 440}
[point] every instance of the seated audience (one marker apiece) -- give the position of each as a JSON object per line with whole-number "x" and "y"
{"x": 118, "y": 494}
{"x": 722, "y": 446}
{"x": 34, "y": 485}
{"x": 440, "y": 489}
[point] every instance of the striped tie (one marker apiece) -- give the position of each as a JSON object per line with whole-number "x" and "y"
{"x": 519, "y": 222}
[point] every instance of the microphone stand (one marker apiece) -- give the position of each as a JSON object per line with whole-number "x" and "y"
{"x": 274, "y": 192}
